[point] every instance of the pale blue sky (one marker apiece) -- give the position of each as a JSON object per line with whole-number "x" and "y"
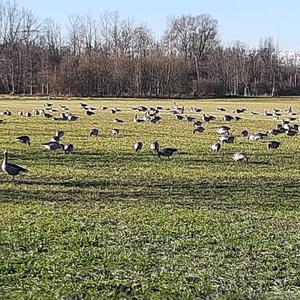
{"x": 244, "y": 20}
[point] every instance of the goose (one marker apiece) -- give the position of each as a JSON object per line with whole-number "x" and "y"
{"x": 117, "y": 120}
{"x": 167, "y": 152}
{"x": 137, "y": 146}
{"x": 59, "y": 133}
{"x": 63, "y": 106}
{"x": 20, "y": 113}
{"x": 83, "y": 105}
{"x": 115, "y": 110}
{"x": 195, "y": 109}
{"x": 35, "y": 112}
{"x": 273, "y": 145}
{"x": 199, "y": 129}
{"x": 53, "y": 145}
{"x": 257, "y": 136}
{"x": 63, "y": 116}
{"x": 28, "y": 114}
{"x": 273, "y": 131}
{"x": 47, "y": 115}
{"x": 104, "y": 107}
{"x": 68, "y": 148}
{"x": 137, "y": 120}
{"x": 291, "y": 132}
{"x": 215, "y": 147}
{"x": 11, "y": 169}
{"x": 72, "y": 118}
{"x": 89, "y": 113}
{"x": 245, "y": 133}
{"x": 227, "y": 139}
{"x": 142, "y": 108}
{"x": 220, "y": 109}
{"x": 223, "y": 129}
{"x": 240, "y": 110}
{"x": 237, "y": 118}
{"x": 55, "y": 138}
{"x": 228, "y": 118}
{"x": 179, "y": 117}
{"x": 24, "y": 139}
{"x": 115, "y": 132}
{"x": 190, "y": 118}
{"x": 154, "y": 147}
{"x": 197, "y": 123}
{"x": 155, "y": 119}
{"x": 7, "y": 113}
{"x": 267, "y": 114}
{"x": 94, "y": 132}
{"x": 238, "y": 156}
{"x": 207, "y": 118}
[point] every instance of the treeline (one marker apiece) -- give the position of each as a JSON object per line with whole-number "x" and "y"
{"x": 113, "y": 57}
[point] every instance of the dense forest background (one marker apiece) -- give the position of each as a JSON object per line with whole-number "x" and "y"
{"x": 113, "y": 57}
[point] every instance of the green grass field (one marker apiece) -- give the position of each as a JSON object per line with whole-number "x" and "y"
{"x": 105, "y": 222}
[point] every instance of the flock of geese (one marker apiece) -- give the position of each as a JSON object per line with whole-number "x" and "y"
{"x": 153, "y": 115}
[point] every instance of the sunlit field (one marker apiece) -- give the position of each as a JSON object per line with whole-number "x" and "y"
{"x": 106, "y": 222}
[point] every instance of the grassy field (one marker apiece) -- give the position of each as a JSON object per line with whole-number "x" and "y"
{"x": 105, "y": 222}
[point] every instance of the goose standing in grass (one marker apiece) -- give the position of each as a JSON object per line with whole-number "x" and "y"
{"x": 52, "y": 146}
{"x": 245, "y": 133}
{"x": 89, "y": 113}
{"x": 118, "y": 120}
{"x": 154, "y": 147}
{"x": 24, "y": 139}
{"x": 167, "y": 152}
{"x": 238, "y": 156}
{"x": 137, "y": 120}
{"x": 59, "y": 133}
{"x": 137, "y": 146}
{"x": 68, "y": 148}
{"x": 215, "y": 147}
{"x": 223, "y": 130}
{"x": 273, "y": 145}
{"x": 115, "y": 132}
{"x": 55, "y": 138}
{"x": 11, "y": 169}
{"x": 198, "y": 129}
{"x": 94, "y": 132}
{"x": 227, "y": 139}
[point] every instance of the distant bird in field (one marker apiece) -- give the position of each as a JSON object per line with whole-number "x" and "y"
{"x": 52, "y": 146}
{"x": 273, "y": 145}
{"x": 68, "y": 148}
{"x": 55, "y": 138}
{"x": 198, "y": 129}
{"x": 215, "y": 147}
{"x": 223, "y": 129}
{"x": 137, "y": 146}
{"x": 227, "y": 139}
{"x": 238, "y": 156}
{"x": 117, "y": 120}
{"x": 137, "y": 120}
{"x": 94, "y": 132}
{"x": 11, "y": 169}
{"x": 89, "y": 113}
{"x": 154, "y": 147}
{"x": 115, "y": 132}
{"x": 245, "y": 133}
{"x": 59, "y": 133}
{"x": 24, "y": 139}
{"x": 167, "y": 152}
